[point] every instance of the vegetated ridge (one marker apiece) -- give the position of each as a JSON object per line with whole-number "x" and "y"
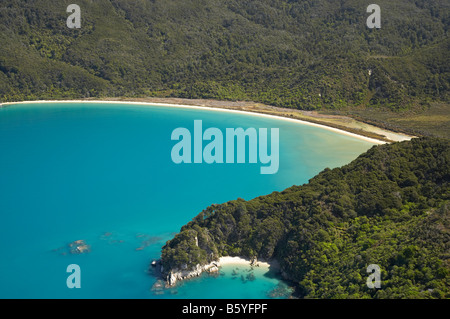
{"x": 297, "y": 54}
{"x": 389, "y": 207}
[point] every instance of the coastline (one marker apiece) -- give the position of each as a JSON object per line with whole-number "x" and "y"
{"x": 229, "y": 260}
{"x": 223, "y": 107}
{"x": 176, "y": 275}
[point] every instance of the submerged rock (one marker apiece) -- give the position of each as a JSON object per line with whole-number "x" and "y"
{"x": 281, "y": 291}
{"x": 158, "y": 287}
{"x": 75, "y": 247}
{"x": 250, "y": 277}
{"x": 146, "y": 240}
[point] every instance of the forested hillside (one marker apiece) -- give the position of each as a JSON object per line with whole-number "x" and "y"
{"x": 302, "y": 54}
{"x": 390, "y": 207}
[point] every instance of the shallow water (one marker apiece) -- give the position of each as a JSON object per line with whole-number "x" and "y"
{"x": 103, "y": 173}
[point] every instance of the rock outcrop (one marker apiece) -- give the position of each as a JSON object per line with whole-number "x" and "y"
{"x": 176, "y": 274}
{"x": 79, "y": 247}
{"x": 76, "y": 247}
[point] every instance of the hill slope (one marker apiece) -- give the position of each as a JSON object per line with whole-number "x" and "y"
{"x": 301, "y": 54}
{"x": 390, "y": 207}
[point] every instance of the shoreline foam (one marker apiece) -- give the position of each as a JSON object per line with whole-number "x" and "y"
{"x": 219, "y": 109}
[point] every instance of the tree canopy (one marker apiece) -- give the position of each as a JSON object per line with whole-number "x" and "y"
{"x": 300, "y": 54}
{"x": 390, "y": 207}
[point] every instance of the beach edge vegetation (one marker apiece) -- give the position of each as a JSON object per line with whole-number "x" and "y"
{"x": 309, "y": 55}
{"x": 390, "y": 207}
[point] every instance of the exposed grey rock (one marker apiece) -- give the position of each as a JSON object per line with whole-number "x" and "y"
{"x": 177, "y": 274}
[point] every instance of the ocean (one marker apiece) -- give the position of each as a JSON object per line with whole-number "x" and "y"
{"x": 102, "y": 173}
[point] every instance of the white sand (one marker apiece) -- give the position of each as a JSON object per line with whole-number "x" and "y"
{"x": 228, "y": 260}
{"x": 367, "y": 139}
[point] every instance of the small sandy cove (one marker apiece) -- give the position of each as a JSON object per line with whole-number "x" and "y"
{"x": 228, "y": 260}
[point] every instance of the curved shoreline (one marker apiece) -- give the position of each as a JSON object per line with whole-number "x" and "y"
{"x": 175, "y": 275}
{"x": 221, "y": 109}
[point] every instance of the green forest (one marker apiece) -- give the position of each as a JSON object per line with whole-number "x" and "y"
{"x": 390, "y": 207}
{"x": 307, "y": 54}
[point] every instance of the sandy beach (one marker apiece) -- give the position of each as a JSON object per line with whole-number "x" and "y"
{"x": 220, "y": 109}
{"x": 228, "y": 260}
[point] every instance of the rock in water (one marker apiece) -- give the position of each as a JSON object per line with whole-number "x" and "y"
{"x": 79, "y": 247}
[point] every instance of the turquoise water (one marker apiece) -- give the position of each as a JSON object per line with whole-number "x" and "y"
{"x": 103, "y": 173}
